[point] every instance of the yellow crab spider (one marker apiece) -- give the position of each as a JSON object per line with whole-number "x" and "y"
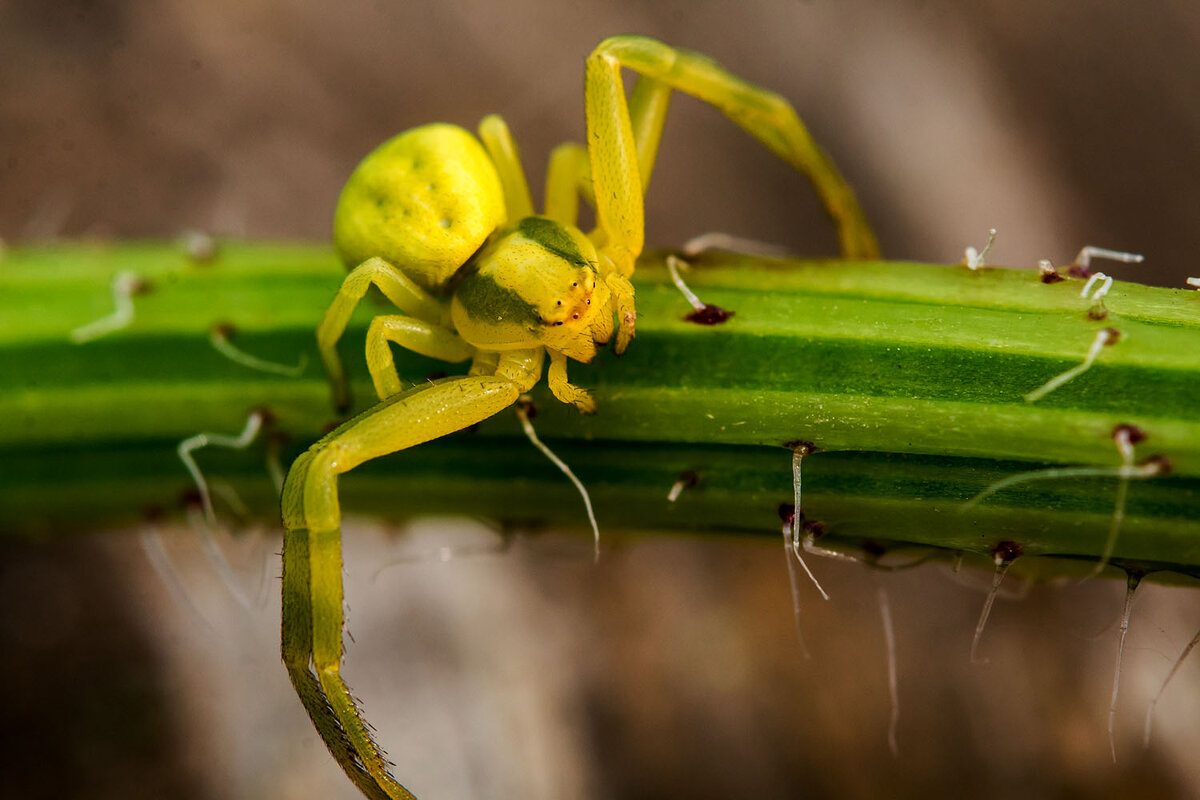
{"x": 442, "y": 222}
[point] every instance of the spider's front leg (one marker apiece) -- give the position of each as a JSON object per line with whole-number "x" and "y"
{"x": 402, "y": 290}
{"x": 563, "y": 390}
{"x": 412, "y": 334}
{"x": 622, "y": 139}
{"x": 312, "y": 555}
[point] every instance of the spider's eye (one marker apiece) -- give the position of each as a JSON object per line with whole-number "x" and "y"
{"x": 558, "y": 302}
{"x": 574, "y": 285}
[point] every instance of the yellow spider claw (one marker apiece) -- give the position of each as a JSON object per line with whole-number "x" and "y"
{"x": 622, "y": 294}
{"x": 441, "y": 222}
{"x": 566, "y": 392}
{"x": 601, "y": 326}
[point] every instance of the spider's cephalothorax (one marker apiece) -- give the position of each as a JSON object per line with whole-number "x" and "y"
{"x": 534, "y": 285}
{"x": 443, "y": 224}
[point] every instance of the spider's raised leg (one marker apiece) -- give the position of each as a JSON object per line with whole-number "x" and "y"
{"x": 569, "y": 175}
{"x": 312, "y": 550}
{"x": 613, "y": 141}
{"x": 498, "y": 141}
{"x": 398, "y": 287}
{"x": 411, "y": 334}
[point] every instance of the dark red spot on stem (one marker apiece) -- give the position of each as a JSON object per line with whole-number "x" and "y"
{"x": 874, "y": 548}
{"x": 1006, "y": 551}
{"x": 1161, "y": 463}
{"x": 191, "y": 498}
{"x": 1135, "y": 434}
{"x": 709, "y": 315}
{"x": 528, "y": 407}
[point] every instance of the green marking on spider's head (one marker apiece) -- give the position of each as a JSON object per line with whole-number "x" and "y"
{"x": 486, "y": 299}
{"x": 533, "y": 286}
{"x": 554, "y": 238}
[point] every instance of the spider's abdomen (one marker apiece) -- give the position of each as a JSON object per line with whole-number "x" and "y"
{"x": 425, "y": 201}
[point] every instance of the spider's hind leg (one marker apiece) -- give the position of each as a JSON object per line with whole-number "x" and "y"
{"x": 494, "y": 133}
{"x": 312, "y": 553}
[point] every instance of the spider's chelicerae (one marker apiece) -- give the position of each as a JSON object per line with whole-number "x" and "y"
{"x": 443, "y": 224}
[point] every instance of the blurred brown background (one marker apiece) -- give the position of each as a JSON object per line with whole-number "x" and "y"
{"x": 671, "y": 669}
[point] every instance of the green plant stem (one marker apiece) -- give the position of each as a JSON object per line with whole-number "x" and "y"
{"x": 927, "y": 362}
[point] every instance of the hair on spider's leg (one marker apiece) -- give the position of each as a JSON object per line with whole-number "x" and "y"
{"x": 703, "y": 313}
{"x": 1003, "y": 555}
{"x": 1104, "y": 337}
{"x": 125, "y": 285}
{"x": 524, "y": 407}
{"x": 1154, "y": 702}
{"x": 686, "y": 478}
{"x": 1133, "y": 579}
{"x": 219, "y": 336}
{"x": 972, "y": 258}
